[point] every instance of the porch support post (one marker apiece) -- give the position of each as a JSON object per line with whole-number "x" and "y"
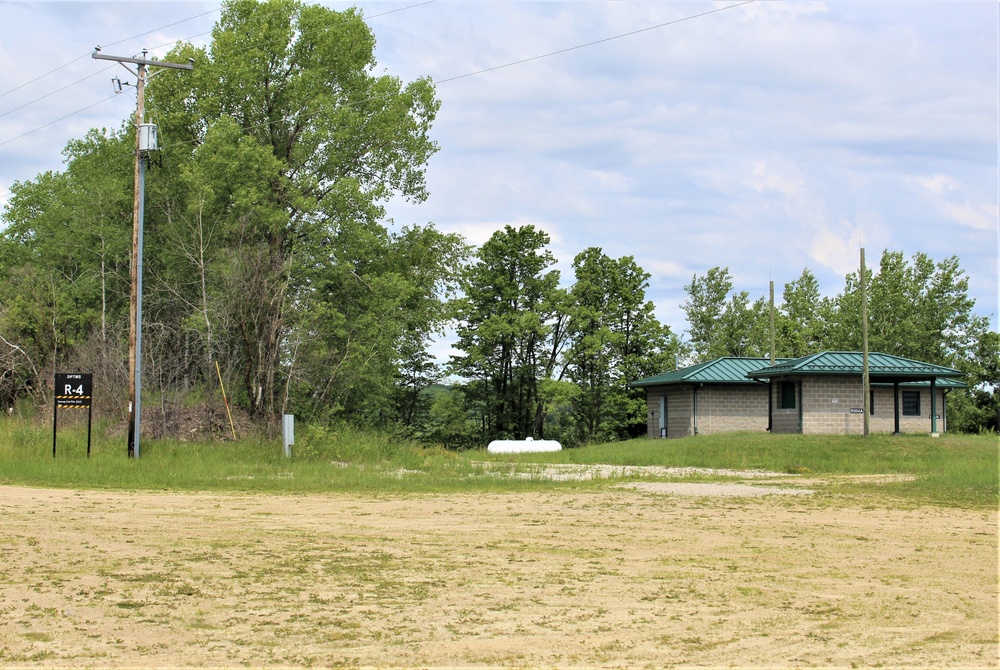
{"x": 801, "y": 395}
{"x": 770, "y": 405}
{"x": 934, "y": 430}
{"x": 895, "y": 407}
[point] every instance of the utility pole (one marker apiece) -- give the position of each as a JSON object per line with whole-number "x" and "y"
{"x": 772, "y": 322}
{"x": 142, "y": 149}
{"x": 865, "y": 385}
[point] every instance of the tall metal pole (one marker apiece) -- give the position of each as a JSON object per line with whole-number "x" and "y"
{"x": 865, "y": 385}
{"x": 138, "y": 212}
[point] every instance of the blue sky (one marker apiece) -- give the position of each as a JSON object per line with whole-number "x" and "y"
{"x": 766, "y": 137}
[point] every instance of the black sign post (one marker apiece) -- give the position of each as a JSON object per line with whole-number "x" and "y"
{"x": 72, "y": 391}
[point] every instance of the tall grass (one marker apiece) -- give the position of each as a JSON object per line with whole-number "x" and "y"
{"x": 323, "y": 459}
{"x": 953, "y": 469}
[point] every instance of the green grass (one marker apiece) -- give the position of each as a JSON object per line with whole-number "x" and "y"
{"x": 955, "y": 470}
{"x": 952, "y": 469}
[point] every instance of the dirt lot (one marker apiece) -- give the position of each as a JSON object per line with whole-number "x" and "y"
{"x": 625, "y": 577}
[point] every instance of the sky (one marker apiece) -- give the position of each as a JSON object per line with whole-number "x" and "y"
{"x": 765, "y": 137}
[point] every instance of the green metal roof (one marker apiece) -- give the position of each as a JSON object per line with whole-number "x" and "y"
{"x": 941, "y": 383}
{"x": 882, "y": 366}
{"x": 728, "y": 370}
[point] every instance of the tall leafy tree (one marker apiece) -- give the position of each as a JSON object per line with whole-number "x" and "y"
{"x": 505, "y": 327}
{"x": 724, "y": 327}
{"x": 294, "y": 144}
{"x": 798, "y": 322}
{"x": 265, "y": 246}
{"x": 615, "y": 339}
{"x": 917, "y": 309}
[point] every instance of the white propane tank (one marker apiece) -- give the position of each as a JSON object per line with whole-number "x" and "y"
{"x": 525, "y": 446}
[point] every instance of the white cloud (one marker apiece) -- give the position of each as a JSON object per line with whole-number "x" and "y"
{"x": 944, "y": 193}
{"x": 839, "y": 247}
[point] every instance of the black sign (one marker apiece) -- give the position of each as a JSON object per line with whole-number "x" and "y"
{"x": 74, "y": 390}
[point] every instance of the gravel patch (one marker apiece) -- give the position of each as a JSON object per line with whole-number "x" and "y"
{"x": 714, "y": 490}
{"x": 574, "y": 472}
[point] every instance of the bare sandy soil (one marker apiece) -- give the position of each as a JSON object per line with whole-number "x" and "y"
{"x": 627, "y": 577}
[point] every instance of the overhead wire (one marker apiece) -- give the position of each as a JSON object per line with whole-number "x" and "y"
{"x": 590, "y": 44}
{"x": 170, "y": 25}
{"x": 58, "y": 90}
{"x": 61, "y": 118}
{"x": 533, "y": 58}
{"x": 440, "y": 81}
{"x": 148, "y": 32}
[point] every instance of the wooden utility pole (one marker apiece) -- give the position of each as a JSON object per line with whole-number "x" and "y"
{"x": 772, "y": 322}
{"x": 865, "y": 385}
{"x": 135, "y": 294}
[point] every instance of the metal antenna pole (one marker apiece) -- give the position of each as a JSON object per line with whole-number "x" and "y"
{"x": 135, "y": 296}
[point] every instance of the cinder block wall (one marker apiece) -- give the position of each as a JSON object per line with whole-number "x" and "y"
{"x": 678, "y": 401}
{"x": 826, "y": 409}
{"x": 828, "y": 401}
{"x": 732, "y": 408}
{"x": 721, "y": 409}
{"x": 882, "y": 417}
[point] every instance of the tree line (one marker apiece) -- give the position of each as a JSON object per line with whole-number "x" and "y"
{"x": 267, "y": 253}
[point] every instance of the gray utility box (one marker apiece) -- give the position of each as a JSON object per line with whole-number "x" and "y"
{"x": 147, "y": 137}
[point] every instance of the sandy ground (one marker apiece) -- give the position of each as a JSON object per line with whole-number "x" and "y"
{"x": 619, "y": 577}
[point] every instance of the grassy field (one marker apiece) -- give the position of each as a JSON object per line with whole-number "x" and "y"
{"x": 953, "y": 470}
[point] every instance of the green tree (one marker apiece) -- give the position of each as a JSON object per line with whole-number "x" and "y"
{"x": 64, "y": 262}
{"x": 720, "y": 327}
{"x": 294, "y": 145}
{"x": 615, "y": 339}
{"x": 977, "y": 408}
{"x": 917, "y": 309}
{"x": 798, "y": 323}
{"x": 505, "y": 327}
{"x": 265, "y": 244}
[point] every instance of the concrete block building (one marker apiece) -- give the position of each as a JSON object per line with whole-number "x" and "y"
{"x": 823, "y": 394}
{"x": 712, "y": 397}
{"x": 817, "y": 394}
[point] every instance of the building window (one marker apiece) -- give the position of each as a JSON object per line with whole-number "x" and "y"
{"x": 911, "y": 403}
{"x": 871, "y": 402}
{"x": 788, "y": 395}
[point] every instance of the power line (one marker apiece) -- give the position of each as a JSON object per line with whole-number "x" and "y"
{"x": 27, "y": 104}
{"x": 401, "y": 9}
{"x": 61, "y": 118}
{"x": 450, "y": 79}
{"x": 186, "y": 39}
{"x": 590, "y": 44}
{"x": 42, "y": 76}
{"x": 170, "y": 25}
{"x": 127, "y": 39}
